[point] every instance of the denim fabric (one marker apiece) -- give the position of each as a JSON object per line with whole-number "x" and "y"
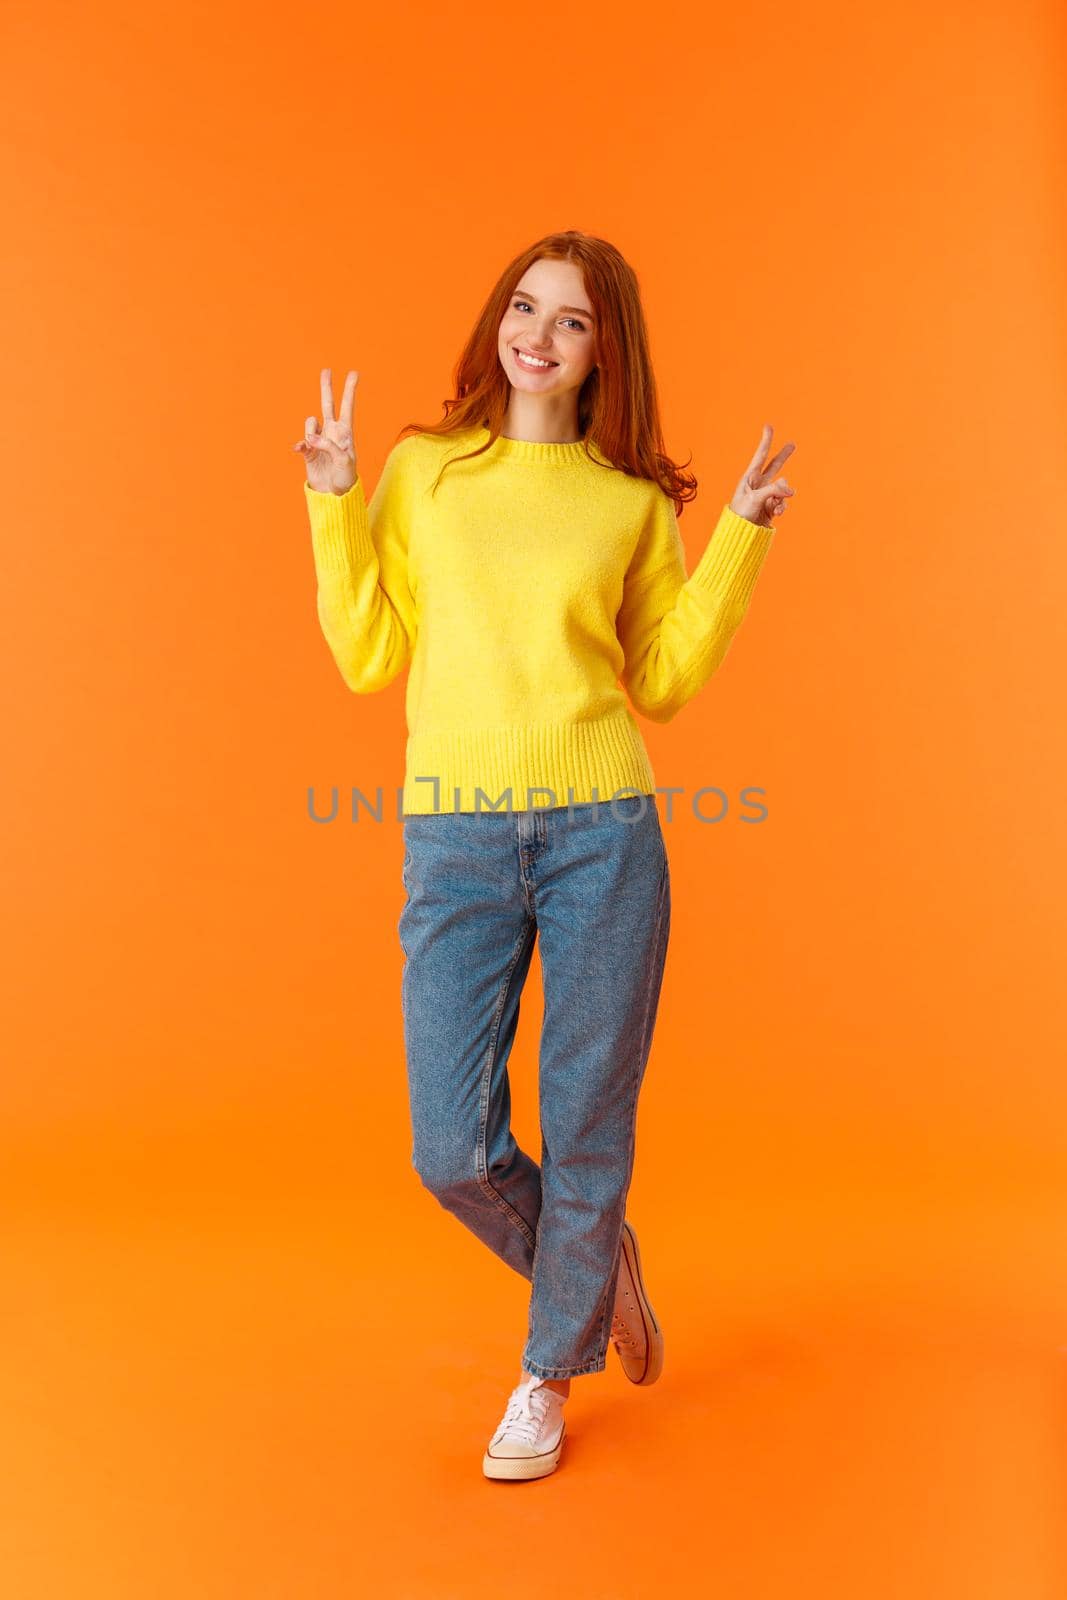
{"x": 592, "y": 883}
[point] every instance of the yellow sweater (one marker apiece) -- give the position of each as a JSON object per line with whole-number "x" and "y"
{"x": 521, "y": 594}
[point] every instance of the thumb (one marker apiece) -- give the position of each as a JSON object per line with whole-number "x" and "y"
{"x": 320, "y": 441}
{"x": 335, "y": 450}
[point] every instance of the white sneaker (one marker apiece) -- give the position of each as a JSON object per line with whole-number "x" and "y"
{"x": 528, "y": 1442}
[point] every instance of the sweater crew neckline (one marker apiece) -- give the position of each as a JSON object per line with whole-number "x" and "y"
{"x": 551, "y": 453}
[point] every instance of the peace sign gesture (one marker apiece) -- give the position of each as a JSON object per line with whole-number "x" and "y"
{"x": 756, "y": 497}
{"x": 330, "y": 452}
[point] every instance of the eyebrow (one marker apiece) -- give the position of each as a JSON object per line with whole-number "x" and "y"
{"x": 526, "y": 295}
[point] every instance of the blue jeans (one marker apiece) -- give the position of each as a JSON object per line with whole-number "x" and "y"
{"x": 592, "y": 881}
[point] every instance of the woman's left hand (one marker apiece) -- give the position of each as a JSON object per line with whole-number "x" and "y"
{"x": 760, "y": 495}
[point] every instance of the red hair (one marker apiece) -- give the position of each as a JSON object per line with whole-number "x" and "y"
{"x": 618, "y": 408}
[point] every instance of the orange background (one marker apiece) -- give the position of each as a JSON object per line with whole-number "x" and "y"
{"x": 246, "y": 1354}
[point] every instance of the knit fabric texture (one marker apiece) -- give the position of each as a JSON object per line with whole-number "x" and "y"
{"x": 530, "y": 595}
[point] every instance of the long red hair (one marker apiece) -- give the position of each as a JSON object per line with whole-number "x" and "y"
{"x": 618, "y": 408}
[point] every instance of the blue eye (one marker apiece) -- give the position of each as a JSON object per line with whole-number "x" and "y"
{"x": 518, "y": 304}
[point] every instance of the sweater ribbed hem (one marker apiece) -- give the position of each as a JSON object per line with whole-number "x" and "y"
{"x": 340, "y": 528}
{"x": 732, "y": 559}
{"x": 577, "y": 761}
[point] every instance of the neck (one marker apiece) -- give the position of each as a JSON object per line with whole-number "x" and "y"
{"x": 548, "y": 420}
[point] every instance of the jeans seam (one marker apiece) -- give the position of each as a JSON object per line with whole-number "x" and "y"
{"x": 483, "y": 1107}
{"x": 539, "y": 1371}
{"x": 598, "y": 1362}
{"x": 654, "y": 979}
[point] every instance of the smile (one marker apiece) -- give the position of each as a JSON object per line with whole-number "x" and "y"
{"x": 533, "y": 362}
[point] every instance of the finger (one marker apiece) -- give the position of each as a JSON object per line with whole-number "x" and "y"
{"x": 326, "y": 388}
{"x": 755, "y": 482}
{"x": 783, "y": 455}
{"x": 323, "y": 442}
{"x": 771, "y": 502}
{"x": 310, "y": 427}
{"x": 348, "y": 398}
{"x": 764, "y": 446}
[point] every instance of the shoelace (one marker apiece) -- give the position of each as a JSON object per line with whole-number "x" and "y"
{"x": 526, "y": 1411}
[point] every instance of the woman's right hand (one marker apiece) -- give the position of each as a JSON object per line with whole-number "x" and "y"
{"x": 330, "y": 452}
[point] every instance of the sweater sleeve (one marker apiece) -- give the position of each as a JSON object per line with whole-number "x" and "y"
{"x": 675, "y": 630}
{"x": 365, "y": 605}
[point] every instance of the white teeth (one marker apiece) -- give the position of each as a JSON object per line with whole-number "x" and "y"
{"x": 529, "y": 361}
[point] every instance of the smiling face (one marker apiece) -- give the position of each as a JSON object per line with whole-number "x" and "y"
{"x": 549, "y": 318}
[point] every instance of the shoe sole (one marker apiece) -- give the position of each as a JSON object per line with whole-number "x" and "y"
{"x": 653, "y": 1331}
{"x": 524, "y": 1467}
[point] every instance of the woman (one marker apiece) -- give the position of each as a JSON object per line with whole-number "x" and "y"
{"x": 523, "y": 556}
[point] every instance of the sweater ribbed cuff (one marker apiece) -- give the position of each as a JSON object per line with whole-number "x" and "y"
{"x": 340, "y": 529}
{"x": 730, "y": 565}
